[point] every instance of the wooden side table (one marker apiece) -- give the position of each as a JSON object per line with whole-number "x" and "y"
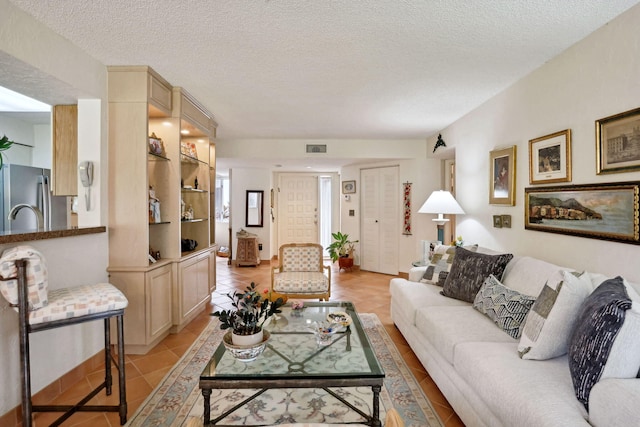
{"x": 247, "y": 252}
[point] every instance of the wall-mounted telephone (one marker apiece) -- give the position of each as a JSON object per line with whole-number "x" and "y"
{"x": 85, "y": 170}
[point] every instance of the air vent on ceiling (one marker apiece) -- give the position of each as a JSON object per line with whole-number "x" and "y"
{"x": 316, "y": 148}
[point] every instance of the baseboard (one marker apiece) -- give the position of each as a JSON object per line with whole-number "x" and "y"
{"x": 56, "y": 388}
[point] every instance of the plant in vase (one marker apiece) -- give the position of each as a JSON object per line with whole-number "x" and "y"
{"x": 248, "y": 315}
{"x": 341, "y": 249}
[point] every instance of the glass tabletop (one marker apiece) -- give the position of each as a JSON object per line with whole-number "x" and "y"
{"x": 293, "y": 352}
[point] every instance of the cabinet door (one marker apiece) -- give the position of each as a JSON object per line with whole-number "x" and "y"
{"x": 65, "y": 150}
{"x": 193, "y": 284}
{"x": 159, "y": 301}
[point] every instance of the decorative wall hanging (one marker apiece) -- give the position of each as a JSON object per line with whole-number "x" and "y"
{"x": 348, "y": 187}
{"x": 600, "y": 211}
{"x": 439, "y": 143}
{"x": 618, "y": 143}
{"x": 502, "y": 178}
{"x": 406, "y": 227}
{"x": 550, "y": 158}
{"x": 506, "y": 221}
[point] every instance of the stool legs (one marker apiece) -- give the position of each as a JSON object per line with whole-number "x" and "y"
{"x": 121, "y": 377}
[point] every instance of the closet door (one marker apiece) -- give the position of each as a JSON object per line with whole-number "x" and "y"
{"x": 297, "y": 209}
{"x": 380, "y": 219}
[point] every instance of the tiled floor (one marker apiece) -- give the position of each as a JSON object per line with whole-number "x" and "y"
{"x": 368, "y": 291}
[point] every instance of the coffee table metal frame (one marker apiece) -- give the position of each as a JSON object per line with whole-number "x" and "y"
{"x": 297, "y": 377}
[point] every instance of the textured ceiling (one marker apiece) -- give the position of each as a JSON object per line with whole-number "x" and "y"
{"x": 330, "y": 69}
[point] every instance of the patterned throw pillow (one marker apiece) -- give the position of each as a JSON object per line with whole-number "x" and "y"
{"x": 440, "y": 264}
{"x": 506, "y": 307}
{"x": 605, "y": 342}
{"x": 548, "y": 327}
{"x": 468, "y": 272}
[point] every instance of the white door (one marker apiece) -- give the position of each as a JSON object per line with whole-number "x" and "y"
{"x": 297, "y": 209}
{"x": 380, "y": 220}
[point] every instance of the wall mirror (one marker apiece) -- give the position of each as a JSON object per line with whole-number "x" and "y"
{"x": 254, "y": 208}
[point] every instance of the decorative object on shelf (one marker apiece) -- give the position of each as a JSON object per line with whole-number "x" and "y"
{"x": 5, "y": 144}
{"x": 154, "y": 207}
{"x": 406, "y": 225}
{"x": 195, "y": 183}
{"x": 249, "y": 313}
{"x": 616, "y": 143}
{"x": 188, "y": 245}
{"x": 442, "y": 203}
{"x": 348, "y": 187}
{"x": 156, "y": 146}
{"x": 497, "y": 221}
{"x": 502, "y": 182}
{"x": 342, "y": 249}
{"x": 601, "y": 211}
{"x": 439, "y": 143}
{"x": 506, "y": 221}
{"x": 188, "y": 149}
{"x": 246, "y": 352}
{"x": 550, "y": 158}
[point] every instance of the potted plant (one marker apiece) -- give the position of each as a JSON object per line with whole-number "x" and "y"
{"x": 341, "y": 249}
{"x": 246, "y": 318}
{"x": 5, "y": 144}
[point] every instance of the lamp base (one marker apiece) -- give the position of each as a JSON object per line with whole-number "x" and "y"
{"x": 441, "y": 233}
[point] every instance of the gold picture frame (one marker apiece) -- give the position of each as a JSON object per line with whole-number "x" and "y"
{"x": 618, "y": 143}
{"x": 550, "y": 158}
{"x": 502, "y": 176}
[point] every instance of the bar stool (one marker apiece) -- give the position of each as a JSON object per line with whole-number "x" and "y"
{"x": 67, "y": 307}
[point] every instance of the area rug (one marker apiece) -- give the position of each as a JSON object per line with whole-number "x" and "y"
{"x": 178, "y": 397}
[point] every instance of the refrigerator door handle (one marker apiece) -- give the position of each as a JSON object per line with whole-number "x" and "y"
{"x": 45, "y": 195}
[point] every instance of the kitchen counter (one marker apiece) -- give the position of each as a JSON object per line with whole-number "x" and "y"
{"x": 26, "y": 236}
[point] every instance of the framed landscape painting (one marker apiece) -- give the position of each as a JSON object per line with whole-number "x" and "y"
{"x": 550, "y": 158}
{"x": 618, "y": 143}
{"x": 502, "y": 177}
{"x": 600, "y": 211}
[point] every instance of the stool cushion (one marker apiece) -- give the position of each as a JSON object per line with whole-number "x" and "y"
{"x": 79, "y": 301}
{"x": 37, "y": 282}
{"x": 300, "y": 282}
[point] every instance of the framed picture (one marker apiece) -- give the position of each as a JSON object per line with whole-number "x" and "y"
{"x": 618, "y": 143}
{"x": 506, "y": 221}
{"x": 348, "y": 187}
{"x": 502, "y": 181}
{"x": 497, "y": 221}
{"x": 550, "y": 158}
{"x": 156, "y": 146}
{"x": 188, "y": 149}
{"x": 600, "y": 211}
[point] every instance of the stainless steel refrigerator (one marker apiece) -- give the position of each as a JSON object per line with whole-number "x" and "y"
{"x": 29, "y": 185}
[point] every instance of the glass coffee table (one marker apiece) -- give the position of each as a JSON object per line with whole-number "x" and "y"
{"x": 294, "y": 358}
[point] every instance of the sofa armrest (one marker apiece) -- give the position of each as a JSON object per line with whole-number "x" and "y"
{"x": 613, "y": 402}
{"x": 416, "y": 273}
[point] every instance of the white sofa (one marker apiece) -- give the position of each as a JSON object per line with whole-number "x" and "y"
{"x": 477, "y": 367}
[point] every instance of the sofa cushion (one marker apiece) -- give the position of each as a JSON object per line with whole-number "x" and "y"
{"x": 469, "y": 270}
{"x": 412, "y": 296}
{"x": 440, "y": 264}
{"x": 605, "y": 342}
{"x": 505, "y": 307}
{"x": 546, "y": 332}
{"x": 447, "y": 327}
{"x": 613, "y": 402}
{"x": 529, "y": 275}
{"x": 520, "y": 392}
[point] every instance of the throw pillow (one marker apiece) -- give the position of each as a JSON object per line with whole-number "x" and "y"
{"x": 440, "y": 264}
{"x": 506, "y": 307}
{"x": 605, "y": 342}
{"x": 468, "y": 272}
{"x": 548, "y": 327}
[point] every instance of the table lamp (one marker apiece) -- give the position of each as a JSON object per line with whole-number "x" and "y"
{"x": 442, "y": 203}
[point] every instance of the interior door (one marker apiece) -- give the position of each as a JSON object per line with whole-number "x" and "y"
{"x": 298, "y": 209}
{"x": 380, "y": 220}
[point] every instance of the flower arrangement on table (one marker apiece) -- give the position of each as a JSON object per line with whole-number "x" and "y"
{"x": 250, "y": 311}
{"x": 458, "y": 241}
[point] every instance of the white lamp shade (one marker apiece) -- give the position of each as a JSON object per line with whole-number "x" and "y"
{"x": 441, "y": 202}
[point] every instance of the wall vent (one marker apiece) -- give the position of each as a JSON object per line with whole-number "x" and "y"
{"x": 316, "y": 148}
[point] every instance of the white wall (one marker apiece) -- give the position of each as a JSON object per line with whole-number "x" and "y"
{"x": 595, "y": 78}
{"x": 41, "y": 64}
{"x": 20, "y": 132}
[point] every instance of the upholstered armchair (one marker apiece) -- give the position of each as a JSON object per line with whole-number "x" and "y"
{"x": 301, "y": 273}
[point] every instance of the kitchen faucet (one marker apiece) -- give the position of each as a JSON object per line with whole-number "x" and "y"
{"x": 14, "y": 211}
